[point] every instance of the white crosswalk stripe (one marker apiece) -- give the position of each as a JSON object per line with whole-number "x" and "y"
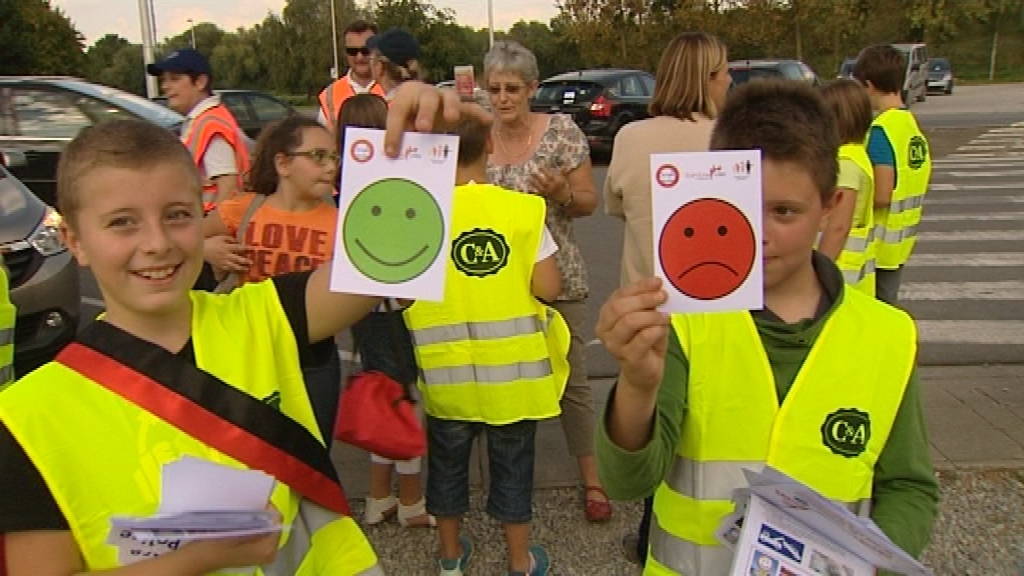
{"x": 964, "y": 285}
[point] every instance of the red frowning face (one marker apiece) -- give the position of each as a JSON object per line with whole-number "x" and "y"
{"x": 707, "y": 249}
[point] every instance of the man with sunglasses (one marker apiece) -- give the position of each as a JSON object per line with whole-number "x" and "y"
{"x": 358, "y": 80}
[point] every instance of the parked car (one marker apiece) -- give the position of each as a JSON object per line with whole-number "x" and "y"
{"x": 39, "y": 115}
{"x": 846, "y": 68}
{"x": 940, "y": 76}
{"x": 479, "y": 94}
{"x": 743, "y": 71}
{"x": 42, "y": 275}
{"x": 252, "y": 109}
{"x": 915, "y": 83}
{"x": 600, "y": 101}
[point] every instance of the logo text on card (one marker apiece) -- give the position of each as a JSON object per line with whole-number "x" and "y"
{"x": 713, "y": 171}
{"x": 741, "y": 170}
{"x": 361, "y": 151}
{"x": 668, "y": 175}
{"x": 411, "y": 152}
{"x": 439, "y": 153}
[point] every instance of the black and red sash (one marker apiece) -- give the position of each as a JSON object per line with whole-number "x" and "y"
{"x": 208, "y": 409}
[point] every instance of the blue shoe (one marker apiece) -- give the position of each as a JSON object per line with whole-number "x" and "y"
{"x": 539, "y": 562}
{"x": 453, "y": 567}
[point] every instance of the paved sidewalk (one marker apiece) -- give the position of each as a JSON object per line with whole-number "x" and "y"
{"x": 975, "y": 417}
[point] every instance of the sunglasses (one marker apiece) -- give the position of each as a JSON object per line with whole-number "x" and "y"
{"x": 318, "y": 155}
{"x": 353, "y": 51}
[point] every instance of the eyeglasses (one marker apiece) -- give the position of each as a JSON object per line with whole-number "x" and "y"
{"x": 318, "y": 155}
{"x": 353, "y": 51}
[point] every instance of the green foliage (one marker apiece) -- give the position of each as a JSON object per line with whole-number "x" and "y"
{"x": 37, "y": 38}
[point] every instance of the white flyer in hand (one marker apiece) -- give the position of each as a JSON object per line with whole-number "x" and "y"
{"x": 394, "y": 215}
{"x": 706, "y": 215}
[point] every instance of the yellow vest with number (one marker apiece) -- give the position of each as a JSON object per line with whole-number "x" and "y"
{"x": 491, "y": 352}
{"x": 857, "y": 260}
{"x": 896, "y": 225}
{"x": 101, "y": 455}
{"x": 8, "y": 314}
{"x": 828, "y": 432}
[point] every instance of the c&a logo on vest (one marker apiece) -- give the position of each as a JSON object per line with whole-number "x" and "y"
{"x": 480, "y": 252}
{"x": 846, "y": 432}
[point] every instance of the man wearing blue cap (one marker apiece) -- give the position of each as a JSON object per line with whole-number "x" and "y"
{"x": 210, "y": 132}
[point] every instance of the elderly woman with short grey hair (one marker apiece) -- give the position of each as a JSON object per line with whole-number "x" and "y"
{"x": 548, "y": 155}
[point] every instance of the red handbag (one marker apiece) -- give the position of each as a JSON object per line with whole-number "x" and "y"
{"x": 376, "y": 414}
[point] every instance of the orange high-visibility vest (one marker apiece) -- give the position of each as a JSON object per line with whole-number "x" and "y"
{"x": 216, "y": 121}
{"x": 332, "y": 97}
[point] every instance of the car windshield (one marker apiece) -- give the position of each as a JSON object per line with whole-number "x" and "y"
{"x": 14, "y": 198}
{"x": 741, "y": 75}
{"x": 566, "y": 92}
{"x": 847, "y": 68}
{"x": 939, "y": 65}
{"x": 136, "y": 105}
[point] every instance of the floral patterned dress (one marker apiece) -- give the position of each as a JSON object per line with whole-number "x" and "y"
{"x": 563, "y": 146}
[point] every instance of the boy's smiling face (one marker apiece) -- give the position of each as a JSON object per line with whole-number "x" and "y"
{"x": 794, "y": 214}
{"x": 140, "y": 231}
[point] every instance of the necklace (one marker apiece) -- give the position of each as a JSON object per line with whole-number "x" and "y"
{"x": 529, "y": 143}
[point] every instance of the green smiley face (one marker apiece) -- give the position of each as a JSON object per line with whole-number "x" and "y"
{"x": 393, "y": 231}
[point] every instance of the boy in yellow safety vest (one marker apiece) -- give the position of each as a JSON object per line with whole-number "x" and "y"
{"x": 820, "y": 384}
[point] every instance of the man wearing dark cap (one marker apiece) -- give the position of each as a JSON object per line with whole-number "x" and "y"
{"x": 218, "y": 145}
{"x": 358, "y": 80}
{"x": 394, "y": 58}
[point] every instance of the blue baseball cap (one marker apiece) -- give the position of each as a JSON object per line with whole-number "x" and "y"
{"x": 184, "y": 61}
{"x": 397, "y": 45}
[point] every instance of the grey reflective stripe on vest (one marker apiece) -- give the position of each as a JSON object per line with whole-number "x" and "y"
{"x": 860, "y": 245}
{"x": 711, "y": 480}
{"x": 477, "y": 331}
{"x": 6, "y": 374}
{"x": 908, "y": 203}
{"x": 895, "y": 236}
{"x": 852, "y": 277}
{"x": 502, "y": 374}
{"x": 685, "y": 557}
{"x": 311, "y": 517}
{"x": 6, "y": 336}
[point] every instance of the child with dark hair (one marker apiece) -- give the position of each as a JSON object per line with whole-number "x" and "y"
{"x": 820, "y": 384}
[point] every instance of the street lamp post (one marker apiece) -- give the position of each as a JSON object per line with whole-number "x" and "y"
{"x": 192, "y": 29}
{"x": 336, "y": 73}
{"x": 490, "y": 21}
{"x": 146, "y": 19}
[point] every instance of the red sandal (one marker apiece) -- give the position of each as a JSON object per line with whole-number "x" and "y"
{"x": 596, "y": 510}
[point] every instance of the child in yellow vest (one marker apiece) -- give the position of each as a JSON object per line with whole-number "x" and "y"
{"x": 849, "y": 237}
{"x": 485, "y": 357}
{"x": 820, "y": 384}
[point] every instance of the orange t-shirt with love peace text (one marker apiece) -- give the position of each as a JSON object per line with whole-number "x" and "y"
{"x": 277, "y": 241}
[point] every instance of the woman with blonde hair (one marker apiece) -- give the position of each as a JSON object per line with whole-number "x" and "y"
{"x": 692, "y": 83}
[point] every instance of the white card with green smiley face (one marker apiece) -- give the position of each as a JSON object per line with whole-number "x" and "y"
{"x": 394, "y": 215}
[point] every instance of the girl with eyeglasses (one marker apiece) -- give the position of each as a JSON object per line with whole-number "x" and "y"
{"x": 291, "y": 229}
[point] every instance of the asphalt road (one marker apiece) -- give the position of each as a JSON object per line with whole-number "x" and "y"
{"x": 965, "y": 284}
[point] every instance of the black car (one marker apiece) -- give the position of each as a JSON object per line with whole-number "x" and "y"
{"x": 940, "y": 76}
{"x": 743, "y": 71}
{"x": 252, "y": 110}
{"x": 39, "y": 115}
{"x": 600, "y": 101}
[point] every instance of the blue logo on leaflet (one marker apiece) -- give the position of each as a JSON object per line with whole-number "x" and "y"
{"x": 788, "y": 547}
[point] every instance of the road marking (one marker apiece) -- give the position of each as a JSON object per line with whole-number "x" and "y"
{"x": 971, "y": 331}
{"x": 997, "y": 217}
{"x": 932, "y": 291}
{"x": 970, "y": 235}
{"x": 1006, "y": 154}
{"x": 947, "y": 187}
{"x": 594, "y": 342}
{"x": 94, "y": 302}
{"x": 979, "y": 148}
{"x": 968, "y": 163}
{"x": 930, "y": 200}
{"x": 986, "y": 174}
{"x": 986, "y": 259}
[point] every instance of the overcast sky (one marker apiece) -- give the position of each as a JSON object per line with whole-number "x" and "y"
{"x": 94, "y": 18}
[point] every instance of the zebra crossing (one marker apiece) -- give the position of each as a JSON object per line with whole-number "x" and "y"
{"x": 964, "y": 284}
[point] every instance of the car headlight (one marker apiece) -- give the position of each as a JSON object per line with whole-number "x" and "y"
{"x": 947, "y": 77}
{"x": 46, "y": 237}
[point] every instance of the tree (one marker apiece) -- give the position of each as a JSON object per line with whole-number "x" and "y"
{"x": 100, "y": 56}
{"x": 38, "y": 38}
{"x": 208, "y": 37}
{"x": 235, "y": 61}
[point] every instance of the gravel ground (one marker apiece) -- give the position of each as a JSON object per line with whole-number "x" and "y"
{"x": 980, "y": 530}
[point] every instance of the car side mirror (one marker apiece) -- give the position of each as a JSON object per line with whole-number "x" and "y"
{"x": 12, "y": 159}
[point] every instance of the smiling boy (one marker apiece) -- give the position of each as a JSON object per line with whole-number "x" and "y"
{"x": 168, "y": 372}
{"x": 703, "y": 396}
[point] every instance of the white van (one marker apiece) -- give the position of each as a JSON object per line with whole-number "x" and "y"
{"x": 915, "y": 79}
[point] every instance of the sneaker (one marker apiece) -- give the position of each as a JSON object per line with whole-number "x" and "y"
{"x": 457, "y": 567}
{"x": 539, "y": 562}
{"x": 379, "y": 510}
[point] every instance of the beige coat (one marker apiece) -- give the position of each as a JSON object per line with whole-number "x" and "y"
{"x": 627, "y": 188}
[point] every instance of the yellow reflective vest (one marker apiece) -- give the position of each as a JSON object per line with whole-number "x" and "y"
{"x": 8, "y": 314}
{"x": 857, "y": 260}
{"x": 828, "y": 433}
{"x": 491, "y": 352}
{"x": 896, "y": 225}
{"x": 101, "y": 454}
